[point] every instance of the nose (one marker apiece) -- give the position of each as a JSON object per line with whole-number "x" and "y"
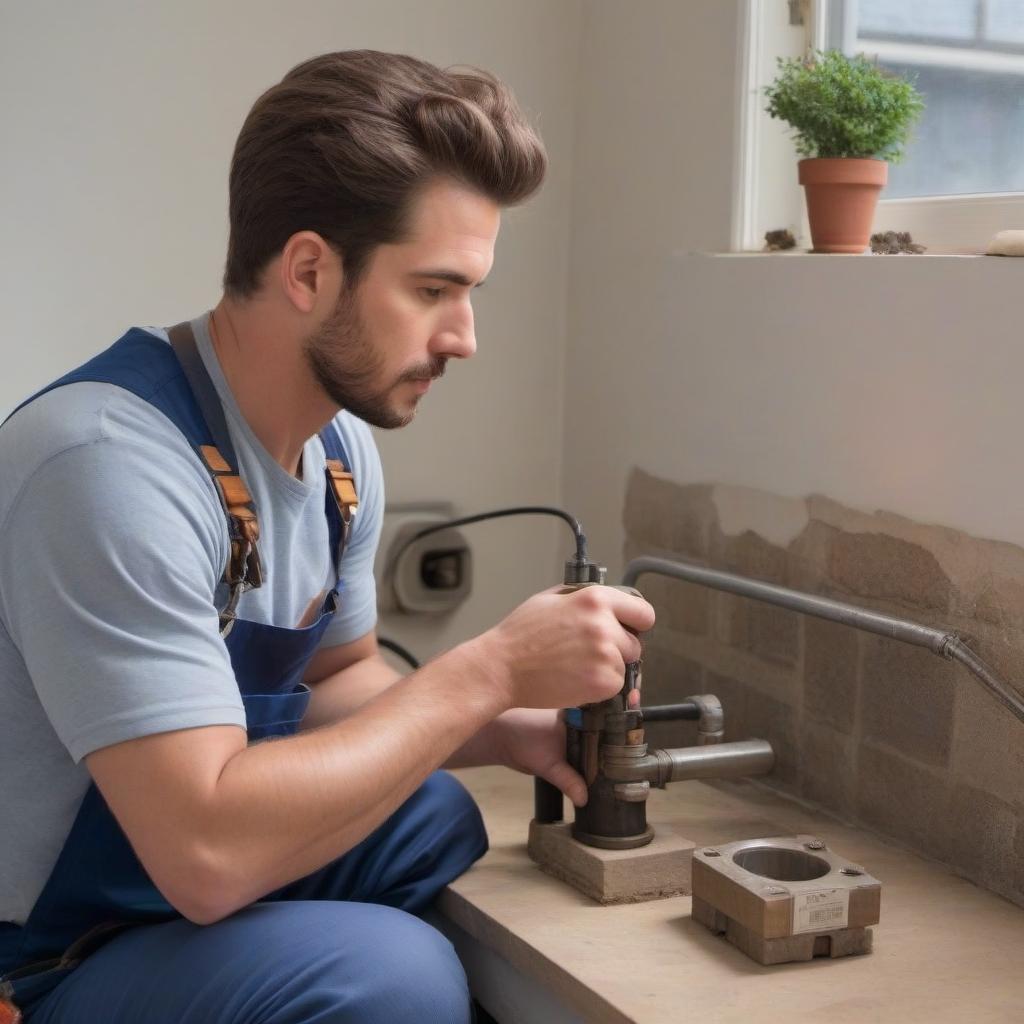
{"x": 456, "y": 339}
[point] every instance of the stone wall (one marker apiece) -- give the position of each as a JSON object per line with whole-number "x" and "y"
{"x": 877, "y": 732}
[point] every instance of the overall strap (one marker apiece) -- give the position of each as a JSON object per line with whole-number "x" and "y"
{"x": 342, "y": 498}
{"x": 183, "y": 341}
{"x": 244, "y": 570}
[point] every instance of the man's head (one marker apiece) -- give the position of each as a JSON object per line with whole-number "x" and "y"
{"x": 397, "y": 171}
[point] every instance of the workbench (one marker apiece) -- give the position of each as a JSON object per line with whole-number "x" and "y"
{"x": 538, "y": 952}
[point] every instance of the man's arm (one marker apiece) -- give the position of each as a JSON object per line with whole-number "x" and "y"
{"x": 218, "y": 823}
{"x": 532, "y": 740}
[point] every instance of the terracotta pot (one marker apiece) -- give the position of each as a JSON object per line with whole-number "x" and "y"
{"x": 842, "y": 193}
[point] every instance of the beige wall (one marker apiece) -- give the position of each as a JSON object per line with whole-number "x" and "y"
{"x": 117, "y": 124}
{"x": 887, "y": 383}
{"x": 653, "y": 176}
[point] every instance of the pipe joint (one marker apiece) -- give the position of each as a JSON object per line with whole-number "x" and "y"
{"x": 711, "y": 724}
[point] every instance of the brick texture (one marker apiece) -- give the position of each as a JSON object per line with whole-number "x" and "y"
{"x": 879, "y": 732}
{"x": 903, "y": 799}
{"x": 983, "y": 839}
{"x": 668, "y": 516}
{"x": 888, "y": 568}
{"x": 827, "y": 768}
{"x": 831, "y": 673}
{"x": 908, "y": 700}
{"x": 760, "y": 629}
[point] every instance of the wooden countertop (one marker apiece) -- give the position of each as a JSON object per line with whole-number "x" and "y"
{"x": 944, "y": 950}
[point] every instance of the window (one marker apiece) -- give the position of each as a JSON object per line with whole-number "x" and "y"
{"x": 962, "y": 178}
{"x": 967, "y": 58}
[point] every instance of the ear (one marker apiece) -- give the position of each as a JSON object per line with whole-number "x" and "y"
{"x": 310, "y": 270}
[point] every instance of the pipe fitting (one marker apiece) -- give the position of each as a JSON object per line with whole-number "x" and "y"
{"x": 711, "y": 724}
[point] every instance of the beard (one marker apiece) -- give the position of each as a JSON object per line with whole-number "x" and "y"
{"x": 349, "y": 368}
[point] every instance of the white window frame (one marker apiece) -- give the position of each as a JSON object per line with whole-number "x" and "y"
{"x": 767, "y": 195}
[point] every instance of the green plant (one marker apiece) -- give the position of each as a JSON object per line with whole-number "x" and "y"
{"x": 844, "y": 106}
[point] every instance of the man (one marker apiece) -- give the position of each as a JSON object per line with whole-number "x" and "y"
{"x": 189, "y": 524}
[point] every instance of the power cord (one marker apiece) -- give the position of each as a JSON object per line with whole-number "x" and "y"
{"x": 523, "y": 510}
{"x": 397, "y": 648}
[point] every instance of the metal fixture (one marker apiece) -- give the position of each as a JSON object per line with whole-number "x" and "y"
{"x": 605, "y": 744}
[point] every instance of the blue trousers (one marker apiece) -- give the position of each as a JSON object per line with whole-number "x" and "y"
{"x": 341, "y": 946}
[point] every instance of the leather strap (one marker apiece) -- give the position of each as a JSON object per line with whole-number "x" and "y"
{"x": 183, "y": 341}
{"x": 244, "y": 570}
{"x": 344, "y": 488}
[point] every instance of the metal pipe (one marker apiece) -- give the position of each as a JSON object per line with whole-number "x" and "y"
{"x": 686, "y": 711}
{"x": 959, "y": 651}
{"x": 721, "y": 760}
{"x": 944, "y": 643}
{"x": 635, "y": 763}
{"x": 810, "y": 604}
{"x": 547, "y": 802}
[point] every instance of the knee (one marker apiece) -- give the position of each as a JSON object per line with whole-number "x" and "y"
{"x": 409, "y": 971}
{"x": 433, "y": 981}
{"x": 453, "y": 810}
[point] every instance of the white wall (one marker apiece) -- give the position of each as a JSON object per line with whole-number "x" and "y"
{"x": 117, "y": 126}
{"x": 883, "y": 382}
{"x": 653, "y": 174}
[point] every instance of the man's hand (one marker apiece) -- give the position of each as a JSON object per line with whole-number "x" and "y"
{"x": 559, "y": 650}
{"x": 533, "y": 741}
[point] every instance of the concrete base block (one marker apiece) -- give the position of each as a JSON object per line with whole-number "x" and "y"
{"x": 660, "y": 869}
{"x": 784, "y": 950}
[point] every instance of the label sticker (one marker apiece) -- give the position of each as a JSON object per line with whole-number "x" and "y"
{"x": 821, "y": 911}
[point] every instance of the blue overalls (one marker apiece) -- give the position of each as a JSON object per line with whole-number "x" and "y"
{"x": 340, "y": 945}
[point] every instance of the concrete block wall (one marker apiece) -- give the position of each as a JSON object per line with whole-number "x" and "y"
{"x": 879, "y": 733}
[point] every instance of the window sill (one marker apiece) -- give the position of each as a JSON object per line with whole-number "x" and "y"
{"x": 818, "y": 256}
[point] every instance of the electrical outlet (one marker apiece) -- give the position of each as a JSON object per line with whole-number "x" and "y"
{"x": 428, "y": 576}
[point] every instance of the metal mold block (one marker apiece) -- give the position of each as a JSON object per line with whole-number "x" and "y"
{"x": 785, "y": 898}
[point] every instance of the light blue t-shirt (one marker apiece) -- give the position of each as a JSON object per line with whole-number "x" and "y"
{"x": 112, "y": 547}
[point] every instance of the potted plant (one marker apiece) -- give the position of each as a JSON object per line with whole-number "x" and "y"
{"x": 849, "y": 117}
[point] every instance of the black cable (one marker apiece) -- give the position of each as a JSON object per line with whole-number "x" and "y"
{"x": 396, "y": 648}
{"x": 525, "y": 510}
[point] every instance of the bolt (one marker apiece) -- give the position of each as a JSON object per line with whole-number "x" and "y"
{"x": 815, "y": 844}
{"x": 712, "y": 853}
{"x": 775, "y": 890}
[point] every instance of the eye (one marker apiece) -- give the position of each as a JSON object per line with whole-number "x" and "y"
{"x": 433, "y": 294}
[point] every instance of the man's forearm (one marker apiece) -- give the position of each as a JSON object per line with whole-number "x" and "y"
{"x": 340, "y": 694}
{"x": 482, "y": 748}
{"x": 354, "y": 773}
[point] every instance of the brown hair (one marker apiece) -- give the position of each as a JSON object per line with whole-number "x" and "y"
{"x": 344, "y": 142}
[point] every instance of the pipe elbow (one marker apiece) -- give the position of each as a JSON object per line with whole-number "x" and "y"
{"x": 711, "y": 724}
